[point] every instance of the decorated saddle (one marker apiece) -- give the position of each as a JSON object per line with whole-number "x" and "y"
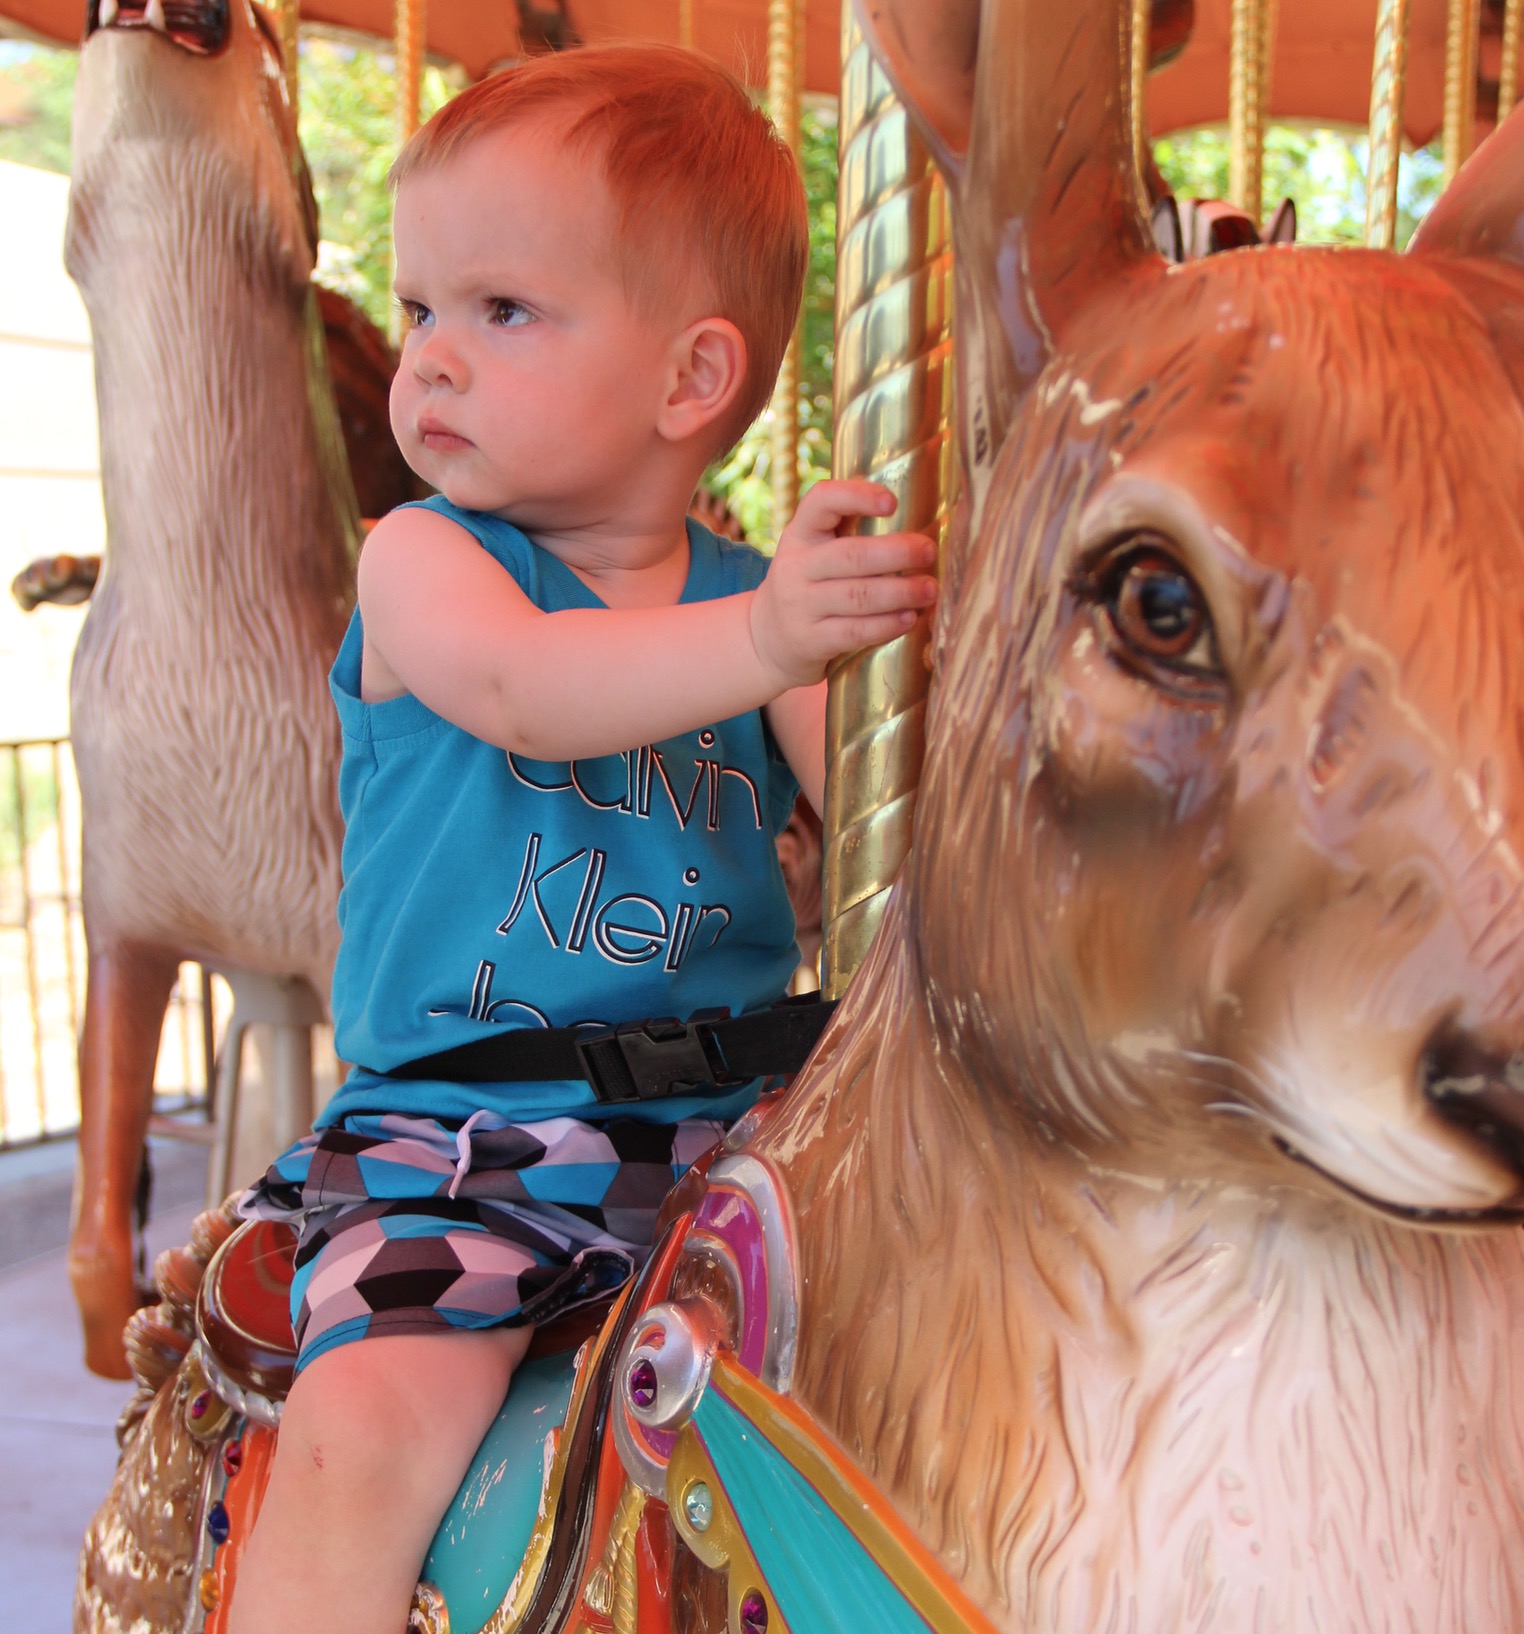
{"x": 648, "y": 1471}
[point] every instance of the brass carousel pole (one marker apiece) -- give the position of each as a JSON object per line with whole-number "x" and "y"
{"x": 893, "y": 400}
{"x": 1508, "y": 69}
{"x": 1269, "y": 20}
{"x": 1464, "y": 18}
{"x": 412, "y": 32}
{"x": 785, "y": 30}
{"x": 685, "y": 24}
{"x": 1246, "y": 107}
{"x": 287, "y": 17}
{"x": 1141, "y": 11}
{"x": 1388, "y": 80}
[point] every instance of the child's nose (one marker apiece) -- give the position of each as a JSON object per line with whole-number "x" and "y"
{"x": 438, "y": 363}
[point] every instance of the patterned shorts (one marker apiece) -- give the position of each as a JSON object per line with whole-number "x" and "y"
{"x": 410, "y": 1225}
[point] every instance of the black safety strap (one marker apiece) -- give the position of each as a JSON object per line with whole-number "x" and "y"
{"x": 641, "y": 1060}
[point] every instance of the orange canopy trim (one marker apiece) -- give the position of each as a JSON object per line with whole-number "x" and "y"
{"x": 1321, "y": 71}
{"x": 1322, "y": 67}
{"x": 483, "y": 34}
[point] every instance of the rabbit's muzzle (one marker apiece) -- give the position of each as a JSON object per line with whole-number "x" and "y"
{"x": 1481, "y": 1090}
{"x": 1254, "y": 915}
{"x": 1371, "y": 973}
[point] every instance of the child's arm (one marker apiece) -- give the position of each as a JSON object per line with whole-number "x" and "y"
{"x": 797, "y": 719}
{"x": 451, "y": 626}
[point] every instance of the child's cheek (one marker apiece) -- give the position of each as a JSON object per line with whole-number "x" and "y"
{"x": 400, "y": 411}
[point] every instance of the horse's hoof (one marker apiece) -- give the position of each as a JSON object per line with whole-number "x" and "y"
{"x": 65, "y": 581}
{"x": 105, "y": 1303}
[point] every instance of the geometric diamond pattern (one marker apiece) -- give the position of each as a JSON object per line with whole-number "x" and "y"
{"x": 411, "y": 1225}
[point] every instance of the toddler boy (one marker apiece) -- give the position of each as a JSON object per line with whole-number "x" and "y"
{"x": 574, "y": 723}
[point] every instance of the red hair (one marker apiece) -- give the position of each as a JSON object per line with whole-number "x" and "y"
{"x": 708, "y": 197}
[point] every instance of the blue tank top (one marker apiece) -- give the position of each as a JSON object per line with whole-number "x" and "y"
{"x": 483, "y": 889}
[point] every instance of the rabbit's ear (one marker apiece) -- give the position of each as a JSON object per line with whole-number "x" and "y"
{"x": 1282, "y": 228}
{"x": 1481, "y": 213}
{"x": 1050, "y": 165}
{"x": 1169, "y": 235}
{"x": 1036, "y": 146}
{"x": 928, "y": 52}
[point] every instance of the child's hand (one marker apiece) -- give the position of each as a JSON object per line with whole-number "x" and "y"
{"x": 828, "y": 593}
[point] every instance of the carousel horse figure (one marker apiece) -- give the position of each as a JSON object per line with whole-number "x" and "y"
{"x": 203, "y": 733}
{"x": 1140, "y": 1249}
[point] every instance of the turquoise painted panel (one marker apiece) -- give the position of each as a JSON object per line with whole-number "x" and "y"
{"x": 822, "y": 1578}
{"x": 485, "y": 1531}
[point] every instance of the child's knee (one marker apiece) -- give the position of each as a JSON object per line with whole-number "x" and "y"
{"x": 348, "y": 1421}
{"x": 383, "y": 1412}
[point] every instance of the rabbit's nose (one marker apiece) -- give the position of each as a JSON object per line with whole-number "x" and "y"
{"x": 1478, "y": 1083}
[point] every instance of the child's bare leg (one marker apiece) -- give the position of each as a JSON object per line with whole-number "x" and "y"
{"x": 374, "y": 1440}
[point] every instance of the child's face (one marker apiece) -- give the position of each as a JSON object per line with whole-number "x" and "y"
{"x": 528, "y": 386}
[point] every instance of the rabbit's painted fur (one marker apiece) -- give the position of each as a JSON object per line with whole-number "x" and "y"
{"x": 1158, "y": 1184}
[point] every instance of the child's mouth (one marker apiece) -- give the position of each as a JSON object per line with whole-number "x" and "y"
{"x": 439, "y": 438}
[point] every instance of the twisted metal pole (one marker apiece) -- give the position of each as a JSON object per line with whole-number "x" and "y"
{"x": 1141, "y": 16}
{"x": 1246, "y": 107}
{"x": 1508, "y": 69}
{"x": 288, "y": 18}
{"x": 1388, "y": 81}
{"x": 785, "y": 33}
{"x": 893, "y": 391}
{"x": 411, "y": 34}
{"x": 1461, "y": 29}
{"x": 1269, "y": 22}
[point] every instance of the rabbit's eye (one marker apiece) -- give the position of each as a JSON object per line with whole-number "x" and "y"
{"x": 1157, "y": 608}
{"x": 1157, "y": 613}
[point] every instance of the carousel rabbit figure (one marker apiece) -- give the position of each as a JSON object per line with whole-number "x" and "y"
{"x": 1139, "y": 1249}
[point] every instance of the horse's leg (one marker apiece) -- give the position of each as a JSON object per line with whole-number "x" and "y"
{"x": 126, "y": 994}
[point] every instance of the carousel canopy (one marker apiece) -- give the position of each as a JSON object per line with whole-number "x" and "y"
{"x": 1321, "y": 72}
{"x": 483, "y": 34}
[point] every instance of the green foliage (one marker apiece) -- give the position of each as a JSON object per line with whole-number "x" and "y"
{"x": 1322, "y": 170}
{"x": 744, "y": 478}
{"x": 1421, "y": 177}
{"x": 37, "y": 99}
{"x": 348, "y": 128}
{"x": 349, "y": 133}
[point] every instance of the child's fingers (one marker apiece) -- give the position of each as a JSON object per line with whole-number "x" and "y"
{"x": 829, "y": 504}
{"x": 835, "y": 598}
{"x": 868, "y": 555}
{"x": 849, "y": 634}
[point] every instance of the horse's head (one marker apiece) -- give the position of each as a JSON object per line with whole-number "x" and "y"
{"x": 1220, "y": 848}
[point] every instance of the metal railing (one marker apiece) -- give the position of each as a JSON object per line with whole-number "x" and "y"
{"x": 42, "y": 959}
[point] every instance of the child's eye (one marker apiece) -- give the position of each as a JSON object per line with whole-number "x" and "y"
{"x": 414, "y": 314}
{"x": 509, "y": 313}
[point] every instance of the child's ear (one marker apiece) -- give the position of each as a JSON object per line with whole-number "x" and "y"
{"x": 708, "y": 369}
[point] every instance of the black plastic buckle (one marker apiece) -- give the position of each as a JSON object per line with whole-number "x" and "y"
{"x": 650, "y": 1060}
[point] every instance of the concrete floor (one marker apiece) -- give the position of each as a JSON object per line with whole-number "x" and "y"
{"x": 57, "y": 1439}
